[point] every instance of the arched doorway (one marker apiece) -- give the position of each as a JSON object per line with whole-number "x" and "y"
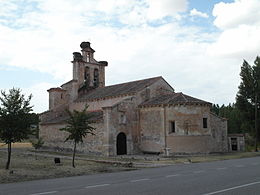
{"x": 121, "y": 144}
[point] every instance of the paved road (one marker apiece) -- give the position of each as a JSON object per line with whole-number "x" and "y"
{"x": 240, "y": 176}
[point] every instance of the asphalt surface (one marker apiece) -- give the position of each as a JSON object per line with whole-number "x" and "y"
{"x": 239, "y": 176}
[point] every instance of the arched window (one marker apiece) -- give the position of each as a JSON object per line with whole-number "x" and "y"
{"x": 88, "y": 57}
{"x": 86, "y": 75}
{"x": 96, "y": 78}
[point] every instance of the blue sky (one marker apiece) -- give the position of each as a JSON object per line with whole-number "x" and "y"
{"x": 198, "y": 46}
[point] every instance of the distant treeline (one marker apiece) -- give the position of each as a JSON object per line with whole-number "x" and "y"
{"x": 243, "y": 115}
{"x": 236, "y": 122}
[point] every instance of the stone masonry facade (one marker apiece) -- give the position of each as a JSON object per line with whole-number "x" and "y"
{"x": 144, "y": 116}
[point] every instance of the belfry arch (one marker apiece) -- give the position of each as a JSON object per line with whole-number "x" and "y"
{"x": 96, "y": 78}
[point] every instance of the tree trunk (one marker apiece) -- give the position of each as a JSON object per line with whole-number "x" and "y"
{"x": 9, "y": 155}
{"x": 256, "y": 131}
{"x": 73, "y": 158}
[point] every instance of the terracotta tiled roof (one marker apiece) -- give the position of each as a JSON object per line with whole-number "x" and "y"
{"x": 55, "y": 89}
{"x": 73, "y": 80}
{"x": 174, "y": 98}
{"x": 118, "y": 90}
{"x": 62, "y": 117}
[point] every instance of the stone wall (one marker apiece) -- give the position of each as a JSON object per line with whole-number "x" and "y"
{"x": 152, "y": 129}
{"x": 122, "y": 118}
{"x": 219, "y": 134}
{"x": 189, "y": 143}
{"x": 92, "y": 144}
{"x": 57, "y": 97}
{"x": 188, "y": 119}
{"x": 71, "y": 88}
{"x": 190, "y": 135}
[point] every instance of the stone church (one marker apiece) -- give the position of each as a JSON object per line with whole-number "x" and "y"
{"x": 137, "y": 117}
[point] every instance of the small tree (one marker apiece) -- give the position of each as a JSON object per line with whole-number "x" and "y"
{"x": 34, "y": 120}
{"x": 14, "y": 118}
{"x": 36, "y": 141}
{"x": 78, "y": 127}
{"x": 37, "y": 144}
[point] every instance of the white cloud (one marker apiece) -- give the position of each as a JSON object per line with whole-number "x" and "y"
{"x": 240, "y": 12}
{"x": 120, "y": 33}
{"x": 7, "y": 7}
{"x": 52, "y": 32}
{"x": 195, "y": 12}
{"x": 40, "y": 99}
{"x": 162, "y": 8}
{"x": 240, "y": 25}
{"x": 243, "y": 42}
{"x": 115, "y": 6}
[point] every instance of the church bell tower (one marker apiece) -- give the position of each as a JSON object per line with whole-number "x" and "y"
{"x": 89, "y": 73}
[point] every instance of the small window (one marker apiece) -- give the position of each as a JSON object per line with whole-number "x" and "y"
{"x": 172, "y": 127}
{"x": 205, "y": 123}
{"x": 122, "y": 118}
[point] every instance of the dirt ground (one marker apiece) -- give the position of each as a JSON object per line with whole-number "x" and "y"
{"x": 26, "y": 166}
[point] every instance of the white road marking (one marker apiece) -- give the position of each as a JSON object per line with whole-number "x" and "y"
{"x": 172, "y": 175}
{"x": 41, "y": 193}
{"x": 96, "y": 186}
{"x": 239, "y": 165}
{"x": 221, "y": 168}
{"x": 137, "y": 180}
{"x": 201, "y": 171}
{"x": 233, "y": 188}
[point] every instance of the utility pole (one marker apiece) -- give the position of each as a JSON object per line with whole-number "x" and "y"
{"x": 256, "y": 131}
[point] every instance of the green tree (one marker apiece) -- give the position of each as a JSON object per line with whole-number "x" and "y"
{"x": 248, "y": 96}
{"x": 231, "y": 113}
{"x": 215, "y": 109}
{"x": 34, "y": 120}
{"x": 78, "y": 126}
{"x": 14, "y": 118}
